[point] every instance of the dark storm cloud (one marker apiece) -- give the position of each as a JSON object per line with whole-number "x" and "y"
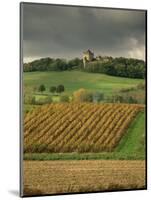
{"x": 56, "y": 31}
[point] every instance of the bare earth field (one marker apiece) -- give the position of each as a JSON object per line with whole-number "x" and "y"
{"x": 51, "y": 177}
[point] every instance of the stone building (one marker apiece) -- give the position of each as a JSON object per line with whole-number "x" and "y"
{"x": 88, "y": 56}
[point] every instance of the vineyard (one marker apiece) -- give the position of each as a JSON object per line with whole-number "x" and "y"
{"x": 77, "y": 127}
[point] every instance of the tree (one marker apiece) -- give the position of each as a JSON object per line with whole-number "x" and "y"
{"x": 83, "y": 95}
{"x": 131, "y": 99}
{"x": 118, "y": 98}
{"x": 52, "y": 89}
{"x": 98, "y": 96}
{"x": 41, "y": 88}
{"x": 74, "y": 63}
{"x": 60, "y": 88}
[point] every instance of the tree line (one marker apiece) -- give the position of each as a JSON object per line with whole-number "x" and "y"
{"x": 124, "y": 67}
{"x": 52, "y": 89}
{"x": 51, "y": 64}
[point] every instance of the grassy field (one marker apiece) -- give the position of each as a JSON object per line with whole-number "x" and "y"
{"x": 134, "y": 139}
{"x": 53, "y": 177}
{"x": 73, "y": 80}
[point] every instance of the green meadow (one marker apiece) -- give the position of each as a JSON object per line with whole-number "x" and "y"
{"x": 74, "y": 80}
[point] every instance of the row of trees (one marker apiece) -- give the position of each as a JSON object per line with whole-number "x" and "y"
{"x": 50, "y": 64}
{"x": 124, "y": 67}
{"x": 83, "y": 95}
{"x": 52, "y": 89}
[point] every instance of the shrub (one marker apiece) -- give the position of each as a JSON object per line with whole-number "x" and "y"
{"x": 64, "y": 98}
{"x": 131, "y": 99}
{"x": 98, "y": 96}
{"x": 60, "y": 88}
{"x": 119, "y": 98}
{"x": 83, "y": 95}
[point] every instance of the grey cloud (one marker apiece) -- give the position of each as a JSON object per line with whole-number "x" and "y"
{"x": 59, "y": 31}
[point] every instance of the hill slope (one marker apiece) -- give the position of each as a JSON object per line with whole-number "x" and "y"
{"x": 73, "y": 80}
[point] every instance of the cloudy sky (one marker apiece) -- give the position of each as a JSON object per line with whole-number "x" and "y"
{"x": 65, "y": 32}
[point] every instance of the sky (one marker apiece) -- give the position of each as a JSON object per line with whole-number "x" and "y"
{"x": 66, "y": 32}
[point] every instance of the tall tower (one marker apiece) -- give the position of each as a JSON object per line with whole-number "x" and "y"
{"x": 88, "y": 56}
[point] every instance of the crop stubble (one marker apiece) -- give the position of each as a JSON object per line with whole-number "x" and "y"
{"x": 52, "y": 177}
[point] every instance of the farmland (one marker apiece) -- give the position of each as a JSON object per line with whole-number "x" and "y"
{"x": 77, "y": 127}
{"x": 51, "y": 177}
{"x": 83, "y": 100}
{"x": 115, "y": 165}
{"x": 80, "y": 146}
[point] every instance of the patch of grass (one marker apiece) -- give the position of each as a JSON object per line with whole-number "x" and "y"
{"x": 83, "y": 156}
{"x": 131, "y": 141}
{"x": 55, "y": 98}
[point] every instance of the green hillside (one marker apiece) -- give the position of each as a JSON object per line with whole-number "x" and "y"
{"x": 73, "y": 80}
